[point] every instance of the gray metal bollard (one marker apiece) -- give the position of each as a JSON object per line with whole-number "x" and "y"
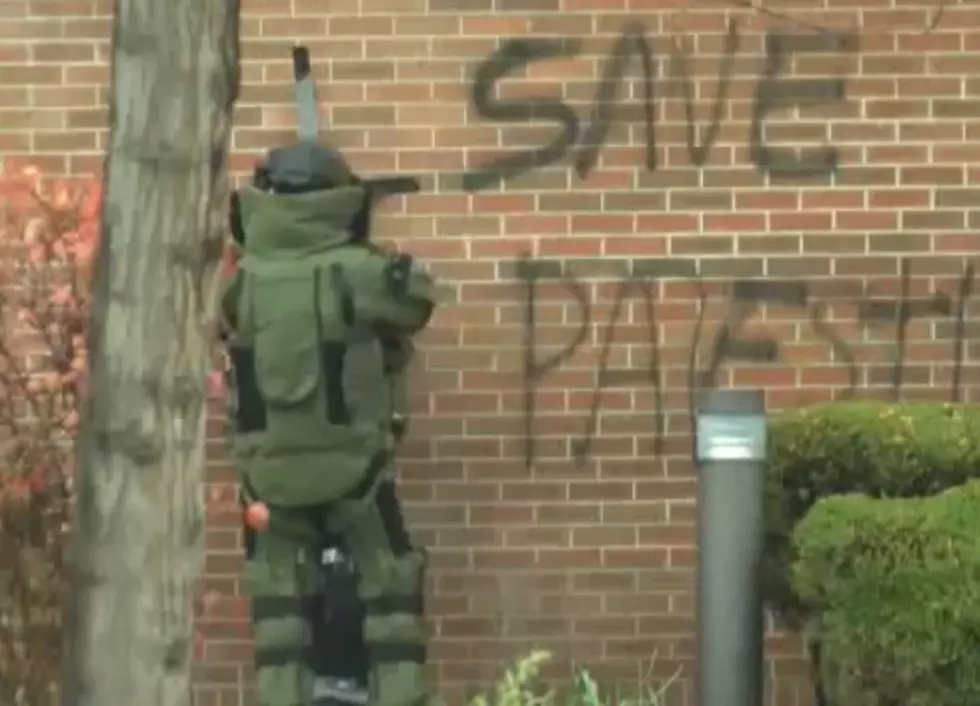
{"x": 731, "y": 449}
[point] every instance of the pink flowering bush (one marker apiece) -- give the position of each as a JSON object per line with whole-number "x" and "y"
{"x": 49, "y": 232}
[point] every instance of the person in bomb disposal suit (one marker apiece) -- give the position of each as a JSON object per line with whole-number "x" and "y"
{"x": 339, "y": 658}
{"x": 320, "y": 325}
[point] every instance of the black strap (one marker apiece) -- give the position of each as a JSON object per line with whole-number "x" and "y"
{"x": 389, "y": 507}
{"x": 249, "y": 495}
{"x": 333, "y": 354}
{"x": 280, "y": 656}
{"x": 272, "y": 607}
{"x": 815, "y": 650}
{"x": 377, "y": 464}
{"x": 235, "y": 224}
{"x": 333, "y": 361}
{"x": 395, "y": 652}
{"x": 245, "y": 496}
{"x": 398, "y": 427}
{"x": 343, "y": 294}
{"x": 250, "y": 412}
{"x": 391, "y": 604}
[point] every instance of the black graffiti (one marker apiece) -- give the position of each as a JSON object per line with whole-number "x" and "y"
{"x": 682, "y": 74}
{"x": 729, "y": 344}
{"x": 963, "y": 294}
{"x": 512, "y": 55}
{"x": 774, "y": 92}
{"x": 749, "y": 295}
{"x": 651, "y": 374}
{"x": 632, "y": 41}
{"x": 535, "y": 370}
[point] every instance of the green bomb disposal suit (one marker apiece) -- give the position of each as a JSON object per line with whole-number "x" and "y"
{"x": 314, "y": 315}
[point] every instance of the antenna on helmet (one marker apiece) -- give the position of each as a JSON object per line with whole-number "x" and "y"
{"x": 306, "y": 101}
{"x": 307, "y": 108}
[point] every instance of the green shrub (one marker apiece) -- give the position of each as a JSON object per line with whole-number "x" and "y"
{"x": 895, "y": 587}
{"x": 879, "y": 449}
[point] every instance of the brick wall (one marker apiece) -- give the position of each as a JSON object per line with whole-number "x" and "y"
{"x": 568, "y": 524}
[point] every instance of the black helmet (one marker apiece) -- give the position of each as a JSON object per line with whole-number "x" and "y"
{"x": 302, "y": 167}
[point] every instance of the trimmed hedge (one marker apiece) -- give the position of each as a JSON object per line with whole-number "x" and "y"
{"x": 869, "y": 447}
{"x": 895, "y": 585}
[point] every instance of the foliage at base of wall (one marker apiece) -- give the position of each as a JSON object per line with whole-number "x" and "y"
{"x": 48, "y": 235}
{"x": 894, "y": 584}
{"x": 868, "y": 447}
{"x": 520, "y": 686}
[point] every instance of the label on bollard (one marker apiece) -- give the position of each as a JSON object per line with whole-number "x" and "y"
{"x": 731, "y": 437}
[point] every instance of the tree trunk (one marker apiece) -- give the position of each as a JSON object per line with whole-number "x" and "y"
{"x": 139, "y": 516}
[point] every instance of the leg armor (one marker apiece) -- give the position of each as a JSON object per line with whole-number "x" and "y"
{"x": 281, "y": 578}
{"x": 391, "y": 588}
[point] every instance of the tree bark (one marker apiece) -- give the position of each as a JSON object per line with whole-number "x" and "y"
{"x": 137, "y": 549}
